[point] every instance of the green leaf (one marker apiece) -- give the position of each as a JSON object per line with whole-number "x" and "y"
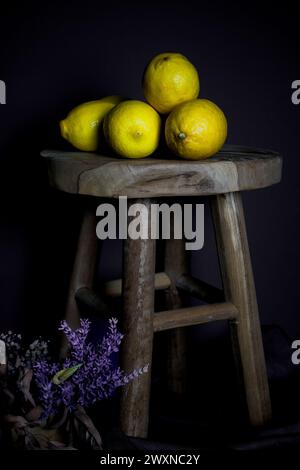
{"x": 62, "y": 375}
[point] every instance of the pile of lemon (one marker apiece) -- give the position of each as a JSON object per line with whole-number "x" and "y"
{"x": 194, "y": 128}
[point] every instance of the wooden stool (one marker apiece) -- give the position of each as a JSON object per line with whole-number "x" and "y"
{"x": 232, "y": 170}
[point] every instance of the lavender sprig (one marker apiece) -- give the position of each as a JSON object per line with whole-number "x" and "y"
{"x": 96, "y": 378}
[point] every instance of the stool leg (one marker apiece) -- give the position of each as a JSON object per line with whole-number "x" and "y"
{"x": 175, "y": 266}
{"x": 138, "y": 307}
{"x": 240, "y": 290}
{"x": 83, "y": 269}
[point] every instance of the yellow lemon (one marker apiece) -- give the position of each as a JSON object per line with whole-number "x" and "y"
{"x": 196, "y": 129}
{"x": 132, "y": 129}
{"x": 170, "y": 79}
{"x": 81, "y": 126}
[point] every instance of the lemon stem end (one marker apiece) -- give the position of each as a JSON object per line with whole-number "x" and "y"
{"x": 181, "y": 136}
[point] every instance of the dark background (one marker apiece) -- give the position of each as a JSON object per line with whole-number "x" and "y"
{"x": 55, "y": 56}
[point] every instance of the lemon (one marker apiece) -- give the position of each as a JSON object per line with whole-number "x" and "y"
{"x": 81, "y": 126}
{"x": 170, "y": 79}
{"x": 132, "y": 129}
{"x": 196, "y": 129}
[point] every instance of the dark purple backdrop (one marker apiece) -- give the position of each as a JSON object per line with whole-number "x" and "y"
{"x": 53, "y": 57}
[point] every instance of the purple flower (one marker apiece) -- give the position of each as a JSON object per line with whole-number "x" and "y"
{"x": 47, "y": 392}
{"x": 77, "y": 338}
{"x": 96, "y": 378}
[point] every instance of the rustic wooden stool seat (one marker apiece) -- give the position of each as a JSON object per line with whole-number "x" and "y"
{"x": 232, "y": 170}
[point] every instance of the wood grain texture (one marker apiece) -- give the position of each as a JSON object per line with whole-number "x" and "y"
{"x": 240, "y": 290}
{"x": 193, "y": 316}
{"x": 232, "y": 169}
{"x": 138, "y": 306}
{"x": 83, "y": 269}
{"x": 114, "y": 288}
{"x": 175, "y": 266}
